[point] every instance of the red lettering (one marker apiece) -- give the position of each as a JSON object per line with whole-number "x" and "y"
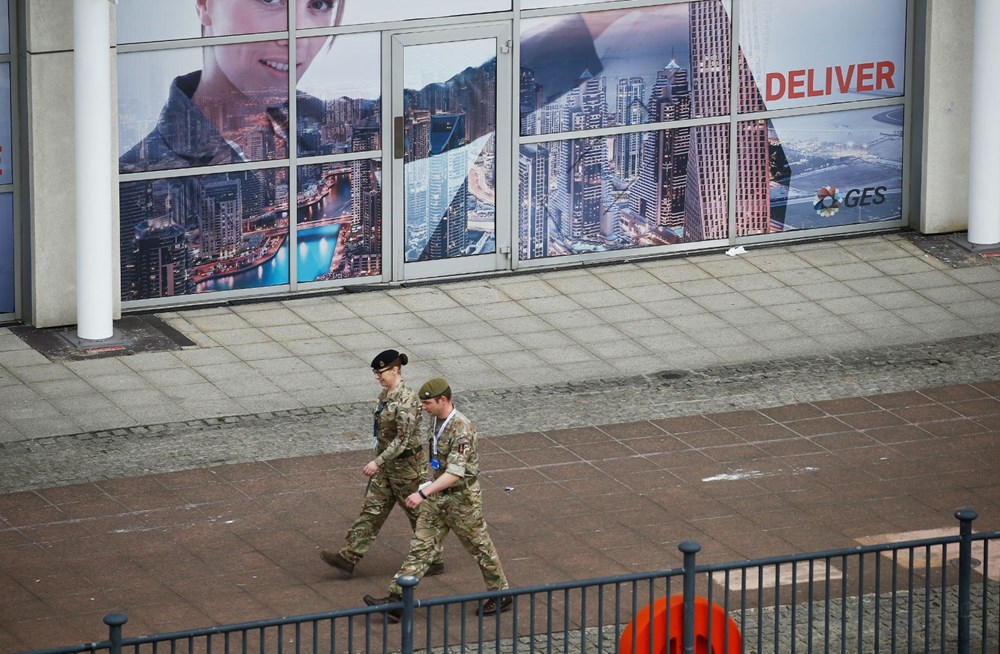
{"x": 795, "y": 84}
{"x": 806, "y": 82}
{"x": 775, "y": 86}
{"x": 811, "y": 77}
{"x": 886, "y": 69}
{"x": 866, "y": 73}
{"x": 845, "y": 84}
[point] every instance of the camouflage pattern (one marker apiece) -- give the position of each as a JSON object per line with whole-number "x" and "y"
{"x": 456, "y": 449}
{"x": 398, "y": 430}
{"x": 397, "y": 417}
{"x": 458, "y": 509}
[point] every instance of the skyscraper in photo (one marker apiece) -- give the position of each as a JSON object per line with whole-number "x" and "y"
{"x": 587, "y": 108}
{"x": 629, "y": 110}
{"x": 162, "y": 259}
{"x": 533, "y": 183}
{"x": 220, "y": 218}
{"x": 528, "y": 102}
{"x": 707, "y": 212}
{"x": 366, "y": 204}
{"x": 658, "y": 194}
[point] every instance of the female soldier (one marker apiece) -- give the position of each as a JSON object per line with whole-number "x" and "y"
{"x": 398, "y": 468}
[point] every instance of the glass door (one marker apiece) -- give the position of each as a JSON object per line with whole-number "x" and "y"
{"x": 451, "y": 152}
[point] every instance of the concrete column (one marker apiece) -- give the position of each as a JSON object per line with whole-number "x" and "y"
{"x": 984, "y": 173}
{"x": 94, "y": 162}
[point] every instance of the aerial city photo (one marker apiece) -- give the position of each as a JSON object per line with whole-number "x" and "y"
{"x": 187, "y": 233}
{"x": 637, "y": 188}
{"x": 612, "y": 73}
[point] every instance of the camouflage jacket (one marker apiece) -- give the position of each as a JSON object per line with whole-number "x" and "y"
{"x": 396, "y": 423}
{"x": 456, "y": 448}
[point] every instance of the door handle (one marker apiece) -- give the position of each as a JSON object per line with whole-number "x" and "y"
{"x": 398, "y": 138}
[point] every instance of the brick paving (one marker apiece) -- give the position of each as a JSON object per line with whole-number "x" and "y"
{"x": 239, "y": 542}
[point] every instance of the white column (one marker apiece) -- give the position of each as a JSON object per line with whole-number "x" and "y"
{"x": 94, "y": 161}
{"x": 984, "y": 174}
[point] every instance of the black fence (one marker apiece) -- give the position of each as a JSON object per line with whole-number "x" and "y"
{"x": 930, "y": 595}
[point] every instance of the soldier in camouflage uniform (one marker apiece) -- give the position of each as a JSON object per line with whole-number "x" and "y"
{"x": 396, "y": 471}
{"x": 452, "y": 502}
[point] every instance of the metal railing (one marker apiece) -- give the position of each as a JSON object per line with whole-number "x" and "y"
{"x": 894, "y": 597}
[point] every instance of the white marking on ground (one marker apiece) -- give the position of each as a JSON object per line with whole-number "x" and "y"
{"x": 756, "y": 474}
{"x": 936, "y": 555}
{"x": 766, "y": 577}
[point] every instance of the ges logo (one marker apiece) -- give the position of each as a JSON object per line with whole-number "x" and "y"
{"x": 828, "y": 200}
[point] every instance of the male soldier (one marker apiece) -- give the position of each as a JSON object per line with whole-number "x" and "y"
{"x": 454, "y": 502}
{"x": 396, "y": 471}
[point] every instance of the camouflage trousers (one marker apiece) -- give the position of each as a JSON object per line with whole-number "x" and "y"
{"x": 461, "y": 512}
{"x": 388, "y": 487}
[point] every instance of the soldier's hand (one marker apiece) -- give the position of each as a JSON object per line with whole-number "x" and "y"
{"x": 413, "y": 500}
{"x": 370, "y": 469}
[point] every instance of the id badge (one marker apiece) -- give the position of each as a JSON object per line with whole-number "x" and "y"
{"x": 435, "y": 463}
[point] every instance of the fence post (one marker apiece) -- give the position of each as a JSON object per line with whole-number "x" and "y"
{"x": 965, "y": 517}
{"x": 407, "y": 583}
{"x": 690, "y": 548}
{"x": 115, "y": 622}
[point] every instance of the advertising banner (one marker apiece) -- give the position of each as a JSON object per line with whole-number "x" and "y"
{"x": 842, "y": 168}
{"x": 804, "y": 54}
{"x": 574, "y": 202}
{"x": 176, "y": 109}
{"x": 225, "y": 232}
{"x": 339, "y": 223}
{"x": 228, "y": 104}
{"x": 624, "y": 67}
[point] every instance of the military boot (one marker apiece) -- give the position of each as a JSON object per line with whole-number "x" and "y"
{"x": 334, "y": 559}
{"x": 394, "y": 615}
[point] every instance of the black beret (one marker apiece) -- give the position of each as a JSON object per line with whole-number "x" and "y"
{"x": 385, "y": 359}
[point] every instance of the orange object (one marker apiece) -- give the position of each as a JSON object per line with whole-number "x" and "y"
{"x": 655, "y": 621}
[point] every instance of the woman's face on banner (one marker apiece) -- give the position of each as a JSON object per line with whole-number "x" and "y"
{"x": 264, "y": 65}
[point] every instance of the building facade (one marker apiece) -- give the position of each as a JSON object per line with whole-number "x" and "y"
{"x": 269, "y": 151}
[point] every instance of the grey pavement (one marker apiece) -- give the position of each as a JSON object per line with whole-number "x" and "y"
{"x": 662, "y": 336}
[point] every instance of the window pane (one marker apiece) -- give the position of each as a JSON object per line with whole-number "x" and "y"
{"x": 624, "y": 67}
{"x": 4, "y": 27}
{"x": 842, "y": 168}
{"x": 200, "y": 234}
{"x": 340, "y": 102}
{"x": 140, "y": 21}
{"x": 450, "y": 162}
{"x": 796, "y": 63}
{"x": 6, "y": 136}
{"x": 359, "y": 11}
{"x": 339, "y": 220}
{"x": 574, "y": 199}
{"x": 539, "y": 4}
{"x": 170, "y": 117}
{"x": 6, "y": 253}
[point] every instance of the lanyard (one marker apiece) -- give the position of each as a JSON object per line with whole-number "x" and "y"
{"x": 378, "y": 412}
{"x": 441, "y": 431}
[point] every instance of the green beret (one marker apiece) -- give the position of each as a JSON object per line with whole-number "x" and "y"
{"x": 433, "y": 388}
